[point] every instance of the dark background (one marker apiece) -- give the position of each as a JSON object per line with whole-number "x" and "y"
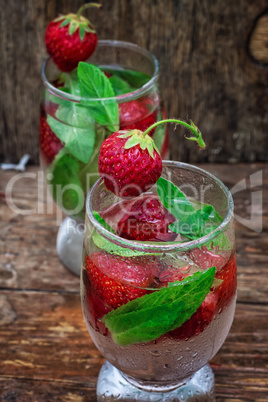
{"x": 213, "y": 59}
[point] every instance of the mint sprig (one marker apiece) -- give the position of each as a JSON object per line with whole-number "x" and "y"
{"x": 148, "y": 317}
{"x": 74, "y": 126}
{"x": 65, "y": 185}
{"x": 104, "y": 244}
{"x": 95, "y": 85}
{"x": 194, "y": 220}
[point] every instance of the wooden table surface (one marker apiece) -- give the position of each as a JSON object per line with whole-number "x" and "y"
{"x": 45, "y": 350}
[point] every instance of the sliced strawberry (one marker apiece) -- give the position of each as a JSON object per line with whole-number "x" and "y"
{"x": 199, "y": 320}
{"x": 50, "y": 144}
{"x": 94, "y": 308}
{"x": 172, "y": 274}
{"x": 136, "y": 115}
{"x": 214, "y": 303}
{"x": 205, "y": 258}
{"x": 226, "y": 291}
{"x": 118, "y": 280}
{"x": 147, "y": 219}
{"x": 226, "y": 271}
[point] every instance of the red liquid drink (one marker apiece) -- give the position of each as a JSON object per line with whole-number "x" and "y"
{"x": 159, "y": 309}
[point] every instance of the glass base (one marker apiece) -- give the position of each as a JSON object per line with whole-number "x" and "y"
{"x": 113, "y": 386}
{"x": 70, "y": 244}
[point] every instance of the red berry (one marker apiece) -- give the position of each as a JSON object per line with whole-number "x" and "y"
{"x": 129, "y": 171}
{"x": 118, "y": 280}
{"x": 173, "y": 274}
{"x": 50, "y": 144}
{"x": 215, "y": 301}
{"x": 136, "y": 115}
{"x": 225, "y": 271}
{"x": 205, "y": 258}
{"x": 198, "y": 321}
{"x": 227, "y": 290}
{"x": 146, "y": 219}
{"x": 70, "y": 39}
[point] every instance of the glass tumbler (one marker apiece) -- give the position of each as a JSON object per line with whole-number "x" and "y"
{"x": 153, "y": 350}
{"x": 71, "y": 130}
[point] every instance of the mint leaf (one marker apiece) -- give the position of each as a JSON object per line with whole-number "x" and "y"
{"x": 104, "y": 244}
{"x": 194, "y": 220}
{"x": 71, "y": 83}
{"x": 136, "y": 79}
{"x": 192, "y": 226}
{"x": 88, "y": 174}
{"x": 74, "y": 126}
{"x": 150, "y": 316}
{"x": 94, "y": 84}
{"x": 102, "y": 222}
{"x": 65, "y": 185}
{"x": 120, "y": 86}
{"x": 174, "y": 199}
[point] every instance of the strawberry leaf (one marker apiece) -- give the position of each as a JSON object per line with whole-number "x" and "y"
{"x": 132, "y": 141}
{"x": 148, "y": 317}
{"x": 95, "y": 85}
{"x": 72, "y": 27}
{"x": 82, "y": 33}
{"x": 65, "y": 22}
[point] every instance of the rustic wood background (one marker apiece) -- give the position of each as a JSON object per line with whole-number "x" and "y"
{"x": 213, "y": 58}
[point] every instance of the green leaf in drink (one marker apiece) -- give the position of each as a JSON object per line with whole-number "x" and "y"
{"x": 148, "y": 317}
{"x": 65, "y": 185}
{"x": 95, "y": 85}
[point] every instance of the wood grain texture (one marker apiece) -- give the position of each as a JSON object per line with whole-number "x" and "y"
{"x": 213, "y": 63}
{"x": 46, "y": 352}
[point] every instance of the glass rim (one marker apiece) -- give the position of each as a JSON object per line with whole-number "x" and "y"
{"x": 119, "y": 98}
{"x": 154, "y": 247}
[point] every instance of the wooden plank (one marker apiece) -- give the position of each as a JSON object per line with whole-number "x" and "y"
{"x": 45, "y": 349}
{"x": 213, "y": 64}
{"x": 25, "y": 390}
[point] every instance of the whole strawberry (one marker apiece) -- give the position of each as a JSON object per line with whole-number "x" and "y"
{"x": 129, "y": 163}
{"x": 146, "y": 219}
{"x": 71, "y": 38}
{"x": 126, "y": 278}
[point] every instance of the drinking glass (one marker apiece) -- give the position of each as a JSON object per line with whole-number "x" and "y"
{"x": 147, "y": 358}
{"x": 68, "y": 177}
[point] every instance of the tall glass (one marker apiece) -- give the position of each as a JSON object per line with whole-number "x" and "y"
{"x": 70, "y": 177}
{"x": 171, "y": 364}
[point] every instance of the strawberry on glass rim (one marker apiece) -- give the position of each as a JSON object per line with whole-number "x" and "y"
{"x": 130, "y": 162}
{"x": 71, "y": 38}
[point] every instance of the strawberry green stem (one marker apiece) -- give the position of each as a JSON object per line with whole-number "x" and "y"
{"x": 87, "y": 5}
{"x": 192, "y": 127}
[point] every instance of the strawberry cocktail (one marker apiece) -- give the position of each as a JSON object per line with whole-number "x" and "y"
{"x": 91, "y": 89}
{"x": 158, "y": 279}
